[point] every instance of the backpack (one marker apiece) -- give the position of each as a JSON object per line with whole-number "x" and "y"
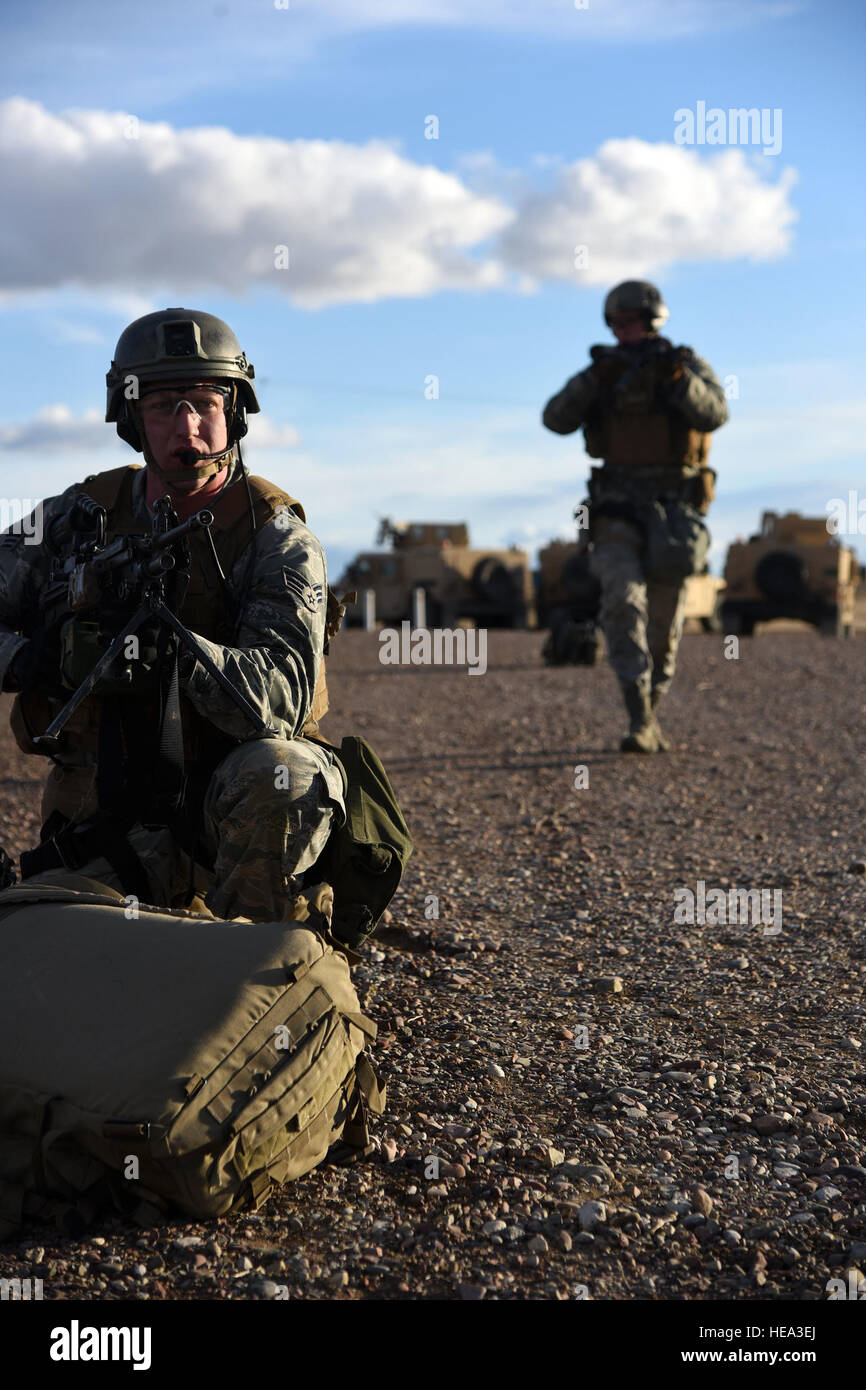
{"x": 170, "y": 1060}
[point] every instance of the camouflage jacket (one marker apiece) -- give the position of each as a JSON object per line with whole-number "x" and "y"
{"x": 282, "y": 629}
{"x": 697, "y": 395}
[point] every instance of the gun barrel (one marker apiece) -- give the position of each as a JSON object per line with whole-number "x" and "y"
{"x": 202, "y": 518}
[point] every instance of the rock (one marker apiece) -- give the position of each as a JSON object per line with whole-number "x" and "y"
{"x": 493, "y": 1069}
{"x": 600, "y": 1132}
{"x": 608, "y": 984}
{"x": 857, "y": 866}
{"x": 827, "y": 1194}
{"x": 786, "y": 1171}
{"x": 852, "y": 1044}
{"x": 702, "y": 1201}
{"x": 818, "y": 1120}
{"x": 538, "y": 1245}
{"x": 389, "y": 1149}
{"x": 592, "y": 1215}
{"x": 471, "y": 1293}
{"x": 493, "y": 1228}
{"x": 678, "y": 1076}
{"x": 768, "y": 1124}
{"x": 563, "y": 1240}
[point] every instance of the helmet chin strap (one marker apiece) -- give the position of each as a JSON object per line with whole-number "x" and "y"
{"x": 207, "y": 465}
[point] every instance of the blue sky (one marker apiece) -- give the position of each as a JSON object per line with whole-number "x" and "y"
{"x": 158, "y": 156}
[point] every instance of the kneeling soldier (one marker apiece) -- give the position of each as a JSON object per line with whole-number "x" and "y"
{"x": 162, "y": 757}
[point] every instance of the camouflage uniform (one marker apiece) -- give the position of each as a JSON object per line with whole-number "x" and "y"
{"x": 642, "y": 619}
{"x": 268, "y": 807}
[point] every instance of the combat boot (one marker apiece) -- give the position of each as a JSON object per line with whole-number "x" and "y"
{"x": 663, "y": 743}
{"x": 641, "y": 737}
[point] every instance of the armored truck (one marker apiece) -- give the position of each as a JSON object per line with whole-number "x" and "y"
{"x": 793, "y": 568}
{"x": 492, "y": 588}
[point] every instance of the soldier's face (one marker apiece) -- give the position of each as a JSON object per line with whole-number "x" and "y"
{"x": 628, "y": 328}
{"x": 176, "y": 419}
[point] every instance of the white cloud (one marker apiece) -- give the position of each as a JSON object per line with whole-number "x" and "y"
{"x": 639, "y": 207}
{"x": 263, "y": 434}
{"x": 99, "y": 199}
{"x": 187, "y": 211}
{"x": 56, "y": 428}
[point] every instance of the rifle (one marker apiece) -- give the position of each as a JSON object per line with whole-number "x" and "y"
{"x": 115, "y": 574}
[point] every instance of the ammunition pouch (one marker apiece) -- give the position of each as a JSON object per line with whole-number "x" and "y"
{"x": 677, "y": 541}
{"x": 84, "y": 642}
{"x": 365, "y": 857}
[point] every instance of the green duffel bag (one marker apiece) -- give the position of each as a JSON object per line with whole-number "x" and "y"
{"x": 170, "y": 1061}
{"x": 677, "y": 541}
{"x": 364, "y": 859}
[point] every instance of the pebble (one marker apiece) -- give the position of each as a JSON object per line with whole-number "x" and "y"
{"x": 768, "y": 1124}
{"x": 592, "y": 1215}
{"x": 702, "y": 1201}
{"x": 493, "y": 1228}
{"x": 608, "y": 984}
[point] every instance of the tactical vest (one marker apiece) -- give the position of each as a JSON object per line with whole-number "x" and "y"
{"x": 657, "y": 439}
{"x": 205, "y": 611}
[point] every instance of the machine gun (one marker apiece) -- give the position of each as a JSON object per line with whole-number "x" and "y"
{"x": 148, "y": 573}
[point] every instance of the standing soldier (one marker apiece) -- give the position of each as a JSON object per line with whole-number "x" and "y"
{"x": 647, "y": 409}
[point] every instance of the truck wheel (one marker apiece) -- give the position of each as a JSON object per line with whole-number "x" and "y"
{"x": 735, "y": 622}
{"x": 493, "y": 583}
{"x": 581, "y": 586}
{"x": 713, "y": 621}
{"x": 782, "y": 576}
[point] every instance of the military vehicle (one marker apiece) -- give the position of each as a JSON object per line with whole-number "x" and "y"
{"x": 492, "y": 588}
{"x": 792, "y": 569}
{"x": 567, "y": 599}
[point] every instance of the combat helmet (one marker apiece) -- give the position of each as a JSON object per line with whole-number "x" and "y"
{"x": 637, "y": 296}
{"x": 179, "y": 345}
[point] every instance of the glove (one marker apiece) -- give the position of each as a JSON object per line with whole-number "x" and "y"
{"x": 36, "y": 665}
{"x": 607, "y": 369}
{"x": 669, "y": 368}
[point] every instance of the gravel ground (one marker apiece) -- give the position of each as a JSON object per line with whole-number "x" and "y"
{"x": 619, "y": 1106}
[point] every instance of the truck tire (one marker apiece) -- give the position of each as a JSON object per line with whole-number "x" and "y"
{"x": 735, "y": 622}
{"x": 830, "y": 624}
{"x": 581, "y": 586}
{"x": 493, "y": 583}
{"x": 782, "y": 577}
